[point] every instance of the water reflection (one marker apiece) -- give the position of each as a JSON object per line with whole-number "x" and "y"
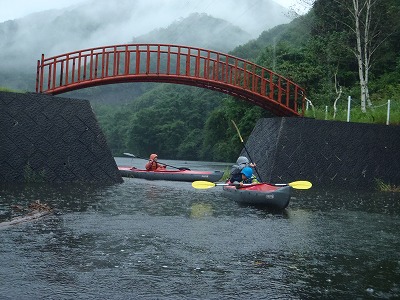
{"x": 341, "y": 199}
{"x": 158, "y": 239}
{"x": 201, "y": 210}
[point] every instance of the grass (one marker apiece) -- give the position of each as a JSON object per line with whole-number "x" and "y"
{"x": 32, "y": 176}
{"x": 375, "y": 115}
{"x": 4, "y": 89}
{"x": 385, "y": 187}
{"x": 227, "y": 173}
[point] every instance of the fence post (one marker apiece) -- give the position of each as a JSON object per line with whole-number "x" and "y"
{"x": 326, "y": 112}
{"x": 348, "y": 108}
{"x": 388, "y": 113}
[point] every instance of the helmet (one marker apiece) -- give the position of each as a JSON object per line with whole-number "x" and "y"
{"x": 242, "y": 160}
{"x": 247, "y": 171}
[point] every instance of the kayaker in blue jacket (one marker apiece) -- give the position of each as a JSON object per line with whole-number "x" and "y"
{"x": 236, "y": 170}
{"x": 247, "y": 177}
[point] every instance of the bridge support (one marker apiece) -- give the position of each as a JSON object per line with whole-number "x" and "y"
{"x": 327, "y": 153}
{"x": 52, "y": 139}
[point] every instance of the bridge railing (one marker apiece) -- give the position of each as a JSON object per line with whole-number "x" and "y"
{"x": 169, "y": 63}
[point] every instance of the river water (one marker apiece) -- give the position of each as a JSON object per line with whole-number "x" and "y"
{"x": 165, "y": 240}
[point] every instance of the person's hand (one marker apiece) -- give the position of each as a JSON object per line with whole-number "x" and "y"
{"x": 252, "y": 165}
{"x": 236, "y": 184}
{"x": 240, "y": 185}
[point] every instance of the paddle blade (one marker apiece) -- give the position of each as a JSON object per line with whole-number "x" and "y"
{"x": 129, "y": 154}
{"x": 301, "y": 185}
{"x": 203, "y": 184}
{"x": 237, "y": 129}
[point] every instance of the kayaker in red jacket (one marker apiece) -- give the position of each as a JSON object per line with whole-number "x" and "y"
{"x": 153, "y": 165}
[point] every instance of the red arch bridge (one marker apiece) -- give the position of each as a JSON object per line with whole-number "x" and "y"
{"x": 172, "y": 64}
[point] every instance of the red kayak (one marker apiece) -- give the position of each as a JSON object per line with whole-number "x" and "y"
{"x": 262, "y": 194}
{"x": 172, "y": 175}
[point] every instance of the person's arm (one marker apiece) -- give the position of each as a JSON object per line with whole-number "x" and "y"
{"x": 149, "y": 165}
{"x": 160, "y": 166}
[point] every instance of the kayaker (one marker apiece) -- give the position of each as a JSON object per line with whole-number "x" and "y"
{"x": 153, "y": 165}
{"x": 236, "y": 170}
{"x": 247, "y": 177}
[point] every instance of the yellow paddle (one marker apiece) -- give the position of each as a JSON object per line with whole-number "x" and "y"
{"x": 299, "y": 185}
{"x": 200, "y": 184}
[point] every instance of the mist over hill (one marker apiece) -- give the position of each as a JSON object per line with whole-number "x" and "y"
{"x": 220, "y": 25}
{"x": 199, "y": 30}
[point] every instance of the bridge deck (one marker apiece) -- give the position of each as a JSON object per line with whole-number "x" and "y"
{"x": 173, "y": 64}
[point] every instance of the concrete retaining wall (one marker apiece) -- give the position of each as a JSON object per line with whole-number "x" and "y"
{"x": 52, "y": 139}
{"x": 327, "y": 153}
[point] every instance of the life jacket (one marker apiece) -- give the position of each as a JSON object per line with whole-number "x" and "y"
{"x": 235, "y": 174}
{"x": 236, "y": 170}
{"x": 252, "y": 179}
{"x": 153, "y": 165}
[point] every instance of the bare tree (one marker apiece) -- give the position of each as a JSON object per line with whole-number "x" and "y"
{"x": 364, "y": 24}
{"x": 338, "y": 90}
{"x": 362, "y": 16}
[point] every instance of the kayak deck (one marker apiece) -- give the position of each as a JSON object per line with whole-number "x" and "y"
{"x": 262, "y": 194}
{"x": 171, "y": 175}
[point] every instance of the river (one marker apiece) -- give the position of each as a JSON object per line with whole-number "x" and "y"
{"x": 166, "y": 240}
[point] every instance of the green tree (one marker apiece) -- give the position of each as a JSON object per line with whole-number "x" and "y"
{"x": 366, "y": 23}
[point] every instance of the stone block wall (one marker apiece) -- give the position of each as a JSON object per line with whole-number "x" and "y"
{"x": 53, "y": 139}
{"x": 327, "y": 153}
{"x": 58, "y": 139}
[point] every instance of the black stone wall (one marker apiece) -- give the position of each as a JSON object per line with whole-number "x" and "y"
{"x": 327, "y": 153}
{"x": 59, "y": 140}
{"x": 53, "y": 139}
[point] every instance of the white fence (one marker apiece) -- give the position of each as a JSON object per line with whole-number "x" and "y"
{"x": 349, "y": 100}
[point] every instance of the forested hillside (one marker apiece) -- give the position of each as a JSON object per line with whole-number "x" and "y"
{"x": 316, "y": 51}
{"x": 178, "y": 122}
{"x": 320, "y": 51}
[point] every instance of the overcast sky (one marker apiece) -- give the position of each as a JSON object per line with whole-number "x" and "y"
{"x": 14, "y": 9}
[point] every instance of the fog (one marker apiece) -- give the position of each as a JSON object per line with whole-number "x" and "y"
{"x": 103, "y": 22}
